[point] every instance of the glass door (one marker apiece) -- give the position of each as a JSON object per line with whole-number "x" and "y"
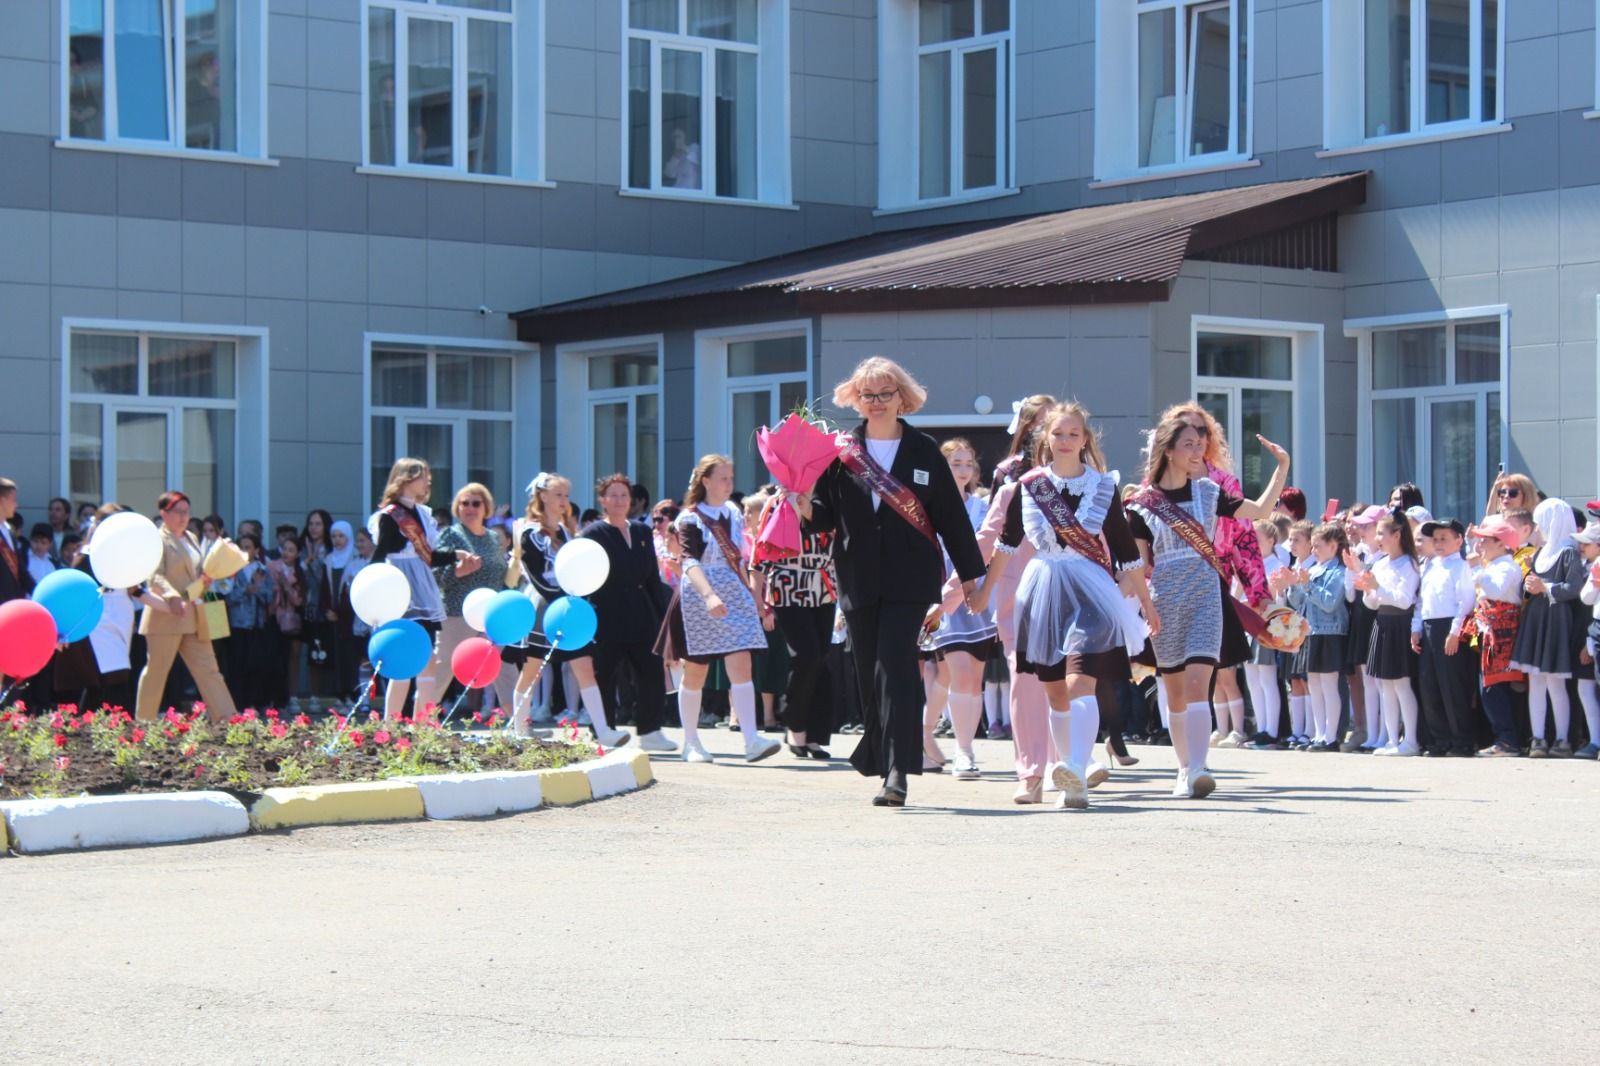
{"x": 750, "y": 408}
{"x": 1453, "y": 458}
{"x": 434, "y": 443}
{"x": 141, "y": 457}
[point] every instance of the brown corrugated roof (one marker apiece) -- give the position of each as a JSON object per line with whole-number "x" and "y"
{"x": 1124, "y": 251}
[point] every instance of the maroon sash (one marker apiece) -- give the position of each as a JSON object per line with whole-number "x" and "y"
{"x": 875, "y": 478}
{"x": 1063, "y": 519}
{"x": 1192, "y": 533}
{"x": 1010, "y": 469}
{"x": 411, "y": 529}
{"x": 722, "y": 533}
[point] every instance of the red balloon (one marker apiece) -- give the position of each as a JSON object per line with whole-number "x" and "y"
{"x": 27, "y": 638}
{"x": 475, "y": 662}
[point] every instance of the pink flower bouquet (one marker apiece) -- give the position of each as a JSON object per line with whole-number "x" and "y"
{"x": 796, "y": 454}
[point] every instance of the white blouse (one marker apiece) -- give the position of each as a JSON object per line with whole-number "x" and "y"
{"x": 1397, "y": 583}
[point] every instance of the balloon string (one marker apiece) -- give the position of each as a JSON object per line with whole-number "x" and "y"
{"x": 371, "y": 690}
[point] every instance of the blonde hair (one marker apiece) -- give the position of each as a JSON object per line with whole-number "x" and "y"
{"x": 1091, "y": 454}
{"x": 473, "y": 488}
{"x": 753, "y": 505}
{"x": 848, "y": 392}
{"x": 1217, "y": 453}
{"x": 1027, "y": 415}
{"x": 697, "y": 489}
{"x": 1267, "y": 530}
{"x": 1530, "y": 492}
{"x": 402, "y": 473}
{"x": 956, "y": 444}
{"x": 536, "y": 513}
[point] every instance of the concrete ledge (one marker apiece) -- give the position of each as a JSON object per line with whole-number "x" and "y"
{"x": 369, "y": 801}
{"x": 642, "y": 773}
{"x": 479, "y": 795}
{"x": 611, "y": 775}
{"x": 40, "y": 825}
{"x": 564, "y": 787}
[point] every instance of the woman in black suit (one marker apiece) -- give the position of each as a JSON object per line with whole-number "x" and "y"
{"x": 890, "y": 499}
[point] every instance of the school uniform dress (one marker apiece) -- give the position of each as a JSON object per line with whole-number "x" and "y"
{"x": 1362, "y": 619}
{"x": 1554, "y": 622}
{"x": 405, "y": 537}
{"x": 1071, "y": 617}
{"x": 1322, "y": 601}
{"x": 890, "y": 572}
{"x": 690, "y": 633}
{"x": 1447, "y": 595}
{"x": 961, "y": 630}
{"x": 1389, "y": 658}
{"x": 538, "y": 552}
{"x": 1296, "y": 665}
{"x": 628, "y": 610}
{"x": 1187, "y": 592}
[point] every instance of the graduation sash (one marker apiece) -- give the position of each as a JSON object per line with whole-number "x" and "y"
{"x": 722, "y": 532}
{"x": 1063, "y": 519}
{"x": 876, "y": 479}
{"x": 1192, "y": 533}
{"x": 411, "y": 529}
{"x": 1010, "y": 469}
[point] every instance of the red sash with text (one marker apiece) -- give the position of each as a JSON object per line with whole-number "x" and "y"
{"x": 1193, "y": 534}
{"x": 1063, "y": 519}
{"x": 722, "y": 532}
{"x": 876, "y": 479}
{"x": 411, "y": 529}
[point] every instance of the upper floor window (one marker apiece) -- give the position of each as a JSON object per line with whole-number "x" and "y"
{"x": 1173, "y": 85}
{"x": 947, "y": 68}
{"x": 451, "y": 86}
{"x": 704, "y": 88}
{"x": 1405, "y": 69}
{"x": 177, "y": 74}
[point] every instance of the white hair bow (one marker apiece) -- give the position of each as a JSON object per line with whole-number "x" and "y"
{"x": 541, "y": 480}
{"x": 1016, "y": 417}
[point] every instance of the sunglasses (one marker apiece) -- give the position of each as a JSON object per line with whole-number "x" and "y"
{"x": 1503, "y": 493}
{"x": 470, "y": 502}
{"x": 659, "y": 520}
{"x": 879, "y": 397}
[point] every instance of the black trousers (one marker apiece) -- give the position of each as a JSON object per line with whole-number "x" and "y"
{"x": 1446, "y": 695}
{"x": 650, "y": 692}
{"x": 807, "y": 700}
{"x": 883, "y": 640}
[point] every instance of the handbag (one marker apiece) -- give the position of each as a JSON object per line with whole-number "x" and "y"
{"x": 216, "y": 617}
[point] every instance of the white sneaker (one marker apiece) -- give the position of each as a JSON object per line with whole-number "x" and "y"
{"x": 1096, "y": 775}
{"x": 613, "y": 738}
{"x": 1201, "y": 783}
{"x": 1074, "y": 790}
{"x": 1388, "y": 749}
{"x": 1180, "y": 785}
{"x": 759, "y": 747}
{"x": 1217, "y": 738}
{"x": 694, "y": 751}
{"x": 966, "y": 766}
{"x": 1408, "y": 749}
{"x": 1233, "y": 740}
{"x": 655, "y": 741}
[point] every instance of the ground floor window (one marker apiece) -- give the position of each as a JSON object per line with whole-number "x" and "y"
{"x": 767, "y": 379}
{"x": 148, "y": 412}
{"x": 452, "y": 408}
{"x": 1435, "y": 414}
{"x": 624, "y": 408}
{"x": 1247, "y": 382}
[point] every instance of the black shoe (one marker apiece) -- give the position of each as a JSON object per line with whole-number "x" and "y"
{"x": 1262, "y": 742}
{"x": 890, "y": 797}
{"x": 1461, "y": 753}
{"x": 733, "y": 724}
{"x": 1434, "y": 753}
{"x": 799, "y": 751}
{"x": 817, "y": 752}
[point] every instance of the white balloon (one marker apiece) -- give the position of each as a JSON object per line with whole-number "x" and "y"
{"x": 380, "y": 593}
{"x": 125, "y": 550}
{"x": 581, "y": 567}
{"x": 475, "y": 606}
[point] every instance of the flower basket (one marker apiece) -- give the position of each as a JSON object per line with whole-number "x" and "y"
{"x": 1284, "y": 630}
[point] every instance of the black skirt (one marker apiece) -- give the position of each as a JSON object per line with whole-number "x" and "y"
{"x": 1359, "y": 643}
{"x": 978, "y": 649}
{"x": 1326, "y": 654}
{"x": 1390, "y": 656}
{"x": 1112, "y": 665}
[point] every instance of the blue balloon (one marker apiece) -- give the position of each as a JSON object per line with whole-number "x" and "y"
{"x": 73, "y": 599}
{"x": 569, "y": 623}
{"x": 400, "y": 650}
{"x": 509, "y": 618}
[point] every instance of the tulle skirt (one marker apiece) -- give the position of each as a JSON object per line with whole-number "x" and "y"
{"x": 1069, "y": 606}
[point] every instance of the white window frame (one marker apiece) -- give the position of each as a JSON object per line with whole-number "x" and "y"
{"x": 1116, "y": 117}
{"x": 249, "y": 405}
{"x": 714, "y": 386}
{"x": 527, "y": 132}
{"x": 523, "y": 416}
{"x": 900, "y": 53}
{"x": 1306, "y": 387}
{"x": 575, "y": 403}
{"x": 1344, "y": 83}
{"x": 773, "y": 180}
{"x": 1362, "y": 330}
{"x": 250, "y": 123}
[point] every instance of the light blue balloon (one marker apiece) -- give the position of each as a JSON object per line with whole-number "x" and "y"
{"x": 569, "y": 623}
{"x": 73, "y": 599}
{"x": 400, "y": 650}
{"x": 509, "y": 618}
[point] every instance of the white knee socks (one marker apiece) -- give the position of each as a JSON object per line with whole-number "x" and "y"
{"x": 1061, "y": 732}
{"x": 1230, "y": 717}
{"x": 1314, "y": 700}
{"x": 1199, "y": 738}
{"x": 965, "y": 710}
{"x": 1161, "y": 702}
{"x": 743, "y": 698}
{"x": 1589, "y": 695}
{"x": 1560, "y": 706}
{"x": 1263, "y": 682}
{"x": 689, "y": 714}
{"x": 1399, "y": 706}
{"x": 1332, "y": 706}
{"x": 590, "y": 695}
{"x": 1085, "y": 730}
{"x": 1297, "y": 715}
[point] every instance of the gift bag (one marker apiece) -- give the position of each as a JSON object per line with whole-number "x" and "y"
{"x": 216, "y": 612}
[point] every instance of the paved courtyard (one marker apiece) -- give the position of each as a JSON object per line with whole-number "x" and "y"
{"x": 1318, "y": 909}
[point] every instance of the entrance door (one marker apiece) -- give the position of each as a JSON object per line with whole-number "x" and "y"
{"x": 142, "y": 472}
{"x": 434, "y": 442}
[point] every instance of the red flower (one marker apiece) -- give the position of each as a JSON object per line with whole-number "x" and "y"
{"x": 61, "y": 740}
{"x": 137, "y": 736}
{"x": 272, "y": 714}
{"x": 183, "y": 727}
{"x": 197, "y": 710}
{"x": 372, "y": 716}
{"x": 63, "y": 761}
{"x": 277, "y": 729}
{"x": 237, "y": 719}
{"x": 199, "y": 771}
{"x": 172, "y": 715}
{"x": 477, "y": 717}
{"x": 403, "y": 744}
{"x": 357, "y": 738}
{"x": 381, "y": 737}
{"x": 188, "y": 753}
{"x": 250, "y": 714}
{"x": 302, "y": 720}
{"x": 600, "y": 749}
{"x": 495, "y": 720}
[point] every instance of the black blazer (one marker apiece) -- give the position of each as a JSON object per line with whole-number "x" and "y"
{"x": 880, "y": 556}
{"x": 21, "y": 586}
{"x": 630, "y": 605}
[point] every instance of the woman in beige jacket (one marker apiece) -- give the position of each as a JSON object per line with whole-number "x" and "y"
{"x": 180, "y": 627}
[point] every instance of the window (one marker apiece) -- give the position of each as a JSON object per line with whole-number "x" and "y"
{"x": 1247, "y": 383}
{"x": 767, "y": 379}
{"x": 624, "y": 403}
{"x": 1404, "y": 69}
{"x": 176, "y": 74}
{"x": 452, "y": 86}
{"x": 1173, "y": 85}
{"x": 704, "y": 91}
{"x": 450, "y": 408}
{"x": 1435, "y": 412}
{"x": 148, "y": 412}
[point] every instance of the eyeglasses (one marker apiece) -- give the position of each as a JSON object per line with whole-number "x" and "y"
{"x": 470, "y": 502}
{"x": 879, "y": 397}
{"x": 1503, "y": 493}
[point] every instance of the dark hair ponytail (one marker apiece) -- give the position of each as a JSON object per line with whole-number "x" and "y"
{"x": 1408, "y": 543}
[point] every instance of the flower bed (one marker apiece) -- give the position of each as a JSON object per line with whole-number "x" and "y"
{"x": 69, "y": 752}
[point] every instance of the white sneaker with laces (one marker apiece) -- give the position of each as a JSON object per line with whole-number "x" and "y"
{"x": 694, "y": 751}
{"x": 1233, "y": 740}
{"x": 656, "y": 741}
{"x": 1408, "y": 749}
{"x": 1217, "y": 738}
{"x": 1201, "y": 784}
{"x": 1096, "y": 775}
{"x": 966, "y": 766}
{"x": 1388, "y": 749}
{"x": 759, "y": 747}
{"x": 612, "y": 738}
{"x": 1072, "y": 786}
{"x": 1180, "y": 785}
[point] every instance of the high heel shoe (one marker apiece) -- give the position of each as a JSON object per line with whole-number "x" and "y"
{"x": 1120, "y": 760}
{"x": 1029, "y": 793}
{"x": 799, "y": 751}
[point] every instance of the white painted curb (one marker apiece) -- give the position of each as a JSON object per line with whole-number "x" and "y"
{"x": 478, "y": 795}
{"x": 119, "y": 821}
{"x": 611, "y": 774}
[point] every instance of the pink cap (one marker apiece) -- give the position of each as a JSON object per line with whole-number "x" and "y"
{"x": 1497, "y": 527}
{"x": 1370, "y": 516}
